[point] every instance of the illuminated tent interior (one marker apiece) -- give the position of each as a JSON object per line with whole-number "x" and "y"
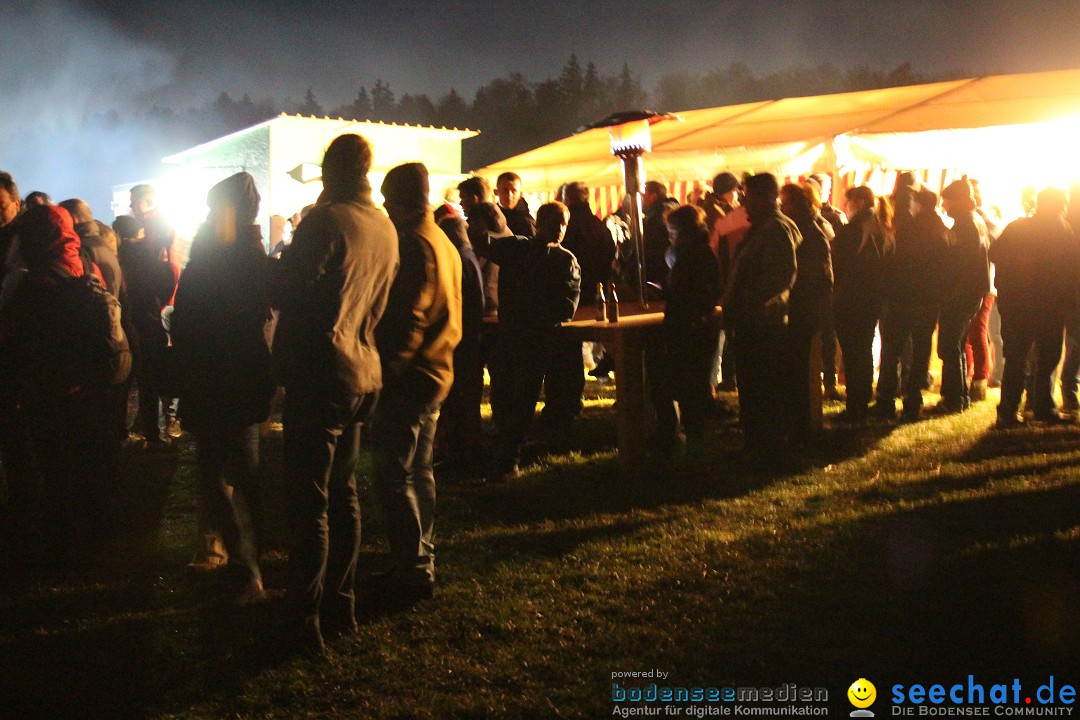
{"x": 1009, "y": 131}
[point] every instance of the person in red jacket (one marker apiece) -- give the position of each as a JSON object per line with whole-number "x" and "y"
{"x": 71, "y": 438}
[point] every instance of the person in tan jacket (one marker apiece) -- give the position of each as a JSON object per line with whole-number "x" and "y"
{"x": 416, "y": 339}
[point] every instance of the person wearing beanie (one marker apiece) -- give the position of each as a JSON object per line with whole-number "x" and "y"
{"x": 416, "y": 339}
{"x": 331, "y": 286}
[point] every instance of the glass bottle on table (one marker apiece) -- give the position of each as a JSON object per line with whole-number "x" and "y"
{"x": 612, "y": 305}
{"x": 601, "y": 303}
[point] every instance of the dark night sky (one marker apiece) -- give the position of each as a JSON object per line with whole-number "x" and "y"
{"x": 64, "y": 59}
{"x": 276, "y": 48}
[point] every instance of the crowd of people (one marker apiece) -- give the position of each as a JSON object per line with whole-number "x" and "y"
{"x": 387, "y": 320}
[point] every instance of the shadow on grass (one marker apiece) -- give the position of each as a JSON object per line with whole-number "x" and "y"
{"x": 584, "y": 485}
{"x": 982, "y": 585}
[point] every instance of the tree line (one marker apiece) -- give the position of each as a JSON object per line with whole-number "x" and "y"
{"x": 513, "y": 113}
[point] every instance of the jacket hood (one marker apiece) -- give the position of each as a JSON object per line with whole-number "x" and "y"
{"x": 237, "y": 191}
{"x": 47, "y": 238}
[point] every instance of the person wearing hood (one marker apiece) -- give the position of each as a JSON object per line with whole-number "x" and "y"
{"x": 223, "y": 375}
{"x": 74, "y": 444}
{"x": 416, "y": 339}
{"x": 331, "y": 288}
{"x": 967, "y": 285}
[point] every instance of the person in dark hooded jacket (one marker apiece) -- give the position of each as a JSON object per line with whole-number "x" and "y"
{"x": 223, "y": 372}
{"x": 416, "y": 339}
{"x": 71, "y": 437}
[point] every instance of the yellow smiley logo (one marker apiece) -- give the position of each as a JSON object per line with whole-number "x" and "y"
{"x": 862, "y": 693}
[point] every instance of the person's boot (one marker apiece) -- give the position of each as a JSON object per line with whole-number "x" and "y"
{"x": 977, "y": 392}
{"x": 211, "y": 557}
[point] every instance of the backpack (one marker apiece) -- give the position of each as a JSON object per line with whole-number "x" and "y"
{"x": 88, "y": 349}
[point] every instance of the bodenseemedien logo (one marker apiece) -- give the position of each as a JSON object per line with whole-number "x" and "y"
{"x": 862, "y": 695}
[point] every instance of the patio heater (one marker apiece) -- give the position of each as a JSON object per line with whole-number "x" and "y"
{"x": 631, "y": 138}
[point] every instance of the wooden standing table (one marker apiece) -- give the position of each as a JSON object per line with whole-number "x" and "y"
{"x": 627, "y": 341}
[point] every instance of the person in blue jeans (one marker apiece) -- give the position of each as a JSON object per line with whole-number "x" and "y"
{"x": 416, "y": 339}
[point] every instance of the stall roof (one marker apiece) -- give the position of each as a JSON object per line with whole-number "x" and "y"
{"x": 794, "y": 135}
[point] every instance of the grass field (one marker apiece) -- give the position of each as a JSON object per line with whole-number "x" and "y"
{"x": 902, "y": 554}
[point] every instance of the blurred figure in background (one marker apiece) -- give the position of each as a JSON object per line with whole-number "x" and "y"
{"x": 915, "y": 280}
{"x": 966, "y": 286}
{"x": 1037, "y": 263}
{"x": 810, "y": 300}
{"x": 682, "y": 361}
{"x": 860, "y": 253}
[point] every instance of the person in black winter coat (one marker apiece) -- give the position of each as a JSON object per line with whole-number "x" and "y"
{"x": 860, "y": 253}
{"x": 756, "y": 303}
{"x": 810, "y": 298}
{"x": 459, "y": 422}
{"x": 690, "y": 333}
{"x": 967, "y": 283}
{"x": 541, "y": 284}
{"x": 593, "y": 246}
{"x": 914, "y": 284}
{"x": 1037, "y": 268}
{"x": 151, "y": 281}
{"x": 223, "y": 371}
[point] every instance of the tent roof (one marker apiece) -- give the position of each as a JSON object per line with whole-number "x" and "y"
{"x": 797, "y": 133}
